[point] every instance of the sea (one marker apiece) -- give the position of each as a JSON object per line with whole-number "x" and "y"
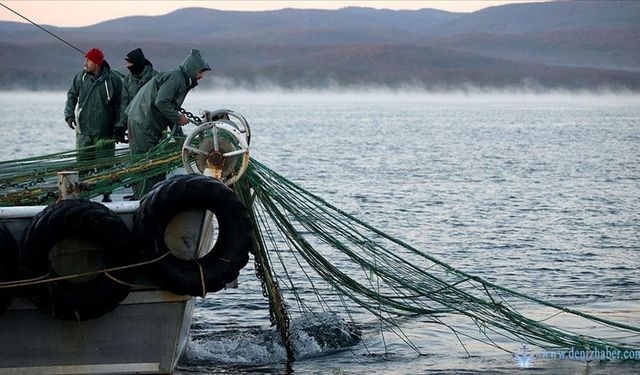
{"x": 537, "y": 192}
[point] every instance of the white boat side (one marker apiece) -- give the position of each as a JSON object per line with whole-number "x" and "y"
{"x": 145, "y": 334}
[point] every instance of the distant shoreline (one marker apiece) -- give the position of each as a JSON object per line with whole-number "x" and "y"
{"x": 558, "y": 45}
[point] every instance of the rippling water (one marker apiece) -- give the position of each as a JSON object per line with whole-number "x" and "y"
{"x": 537, "y": 193}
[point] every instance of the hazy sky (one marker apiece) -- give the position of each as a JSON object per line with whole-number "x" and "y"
{"x": 82, "y": 13}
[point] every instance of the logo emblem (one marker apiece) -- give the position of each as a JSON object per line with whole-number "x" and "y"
{"x": 524, "y": 357}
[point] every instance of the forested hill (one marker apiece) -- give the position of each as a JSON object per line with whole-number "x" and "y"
{"x": 568, "y": 44}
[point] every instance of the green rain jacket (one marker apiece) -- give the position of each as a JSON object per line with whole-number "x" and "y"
{"x": 156, "y": 105}
{"x": 95, "y": 102}
{"x": 130, "y": 87}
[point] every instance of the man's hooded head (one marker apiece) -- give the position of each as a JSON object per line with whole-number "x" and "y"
{"x": 194, "y": 66}
{"x": 137, "y": 60}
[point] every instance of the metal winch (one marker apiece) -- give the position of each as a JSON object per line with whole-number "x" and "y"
{"x": 219, "y": 146}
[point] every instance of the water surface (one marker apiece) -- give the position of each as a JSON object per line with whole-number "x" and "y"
{"x": 537, "y": 193}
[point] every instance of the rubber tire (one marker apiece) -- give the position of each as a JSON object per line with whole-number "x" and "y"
{"x": 187, "y": 192}
{"x": 8, "y": 266}
{"x": 88, "y": 221}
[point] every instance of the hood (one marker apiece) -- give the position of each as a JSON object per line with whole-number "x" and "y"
{"x": 192, "y": 64}
{"x": 136, "y": 57}
{"x": 106, "y": 66}
{"x": 104, "y": 70}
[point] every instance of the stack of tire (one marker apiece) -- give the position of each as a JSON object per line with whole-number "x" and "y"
{"x": 95, "y": 226}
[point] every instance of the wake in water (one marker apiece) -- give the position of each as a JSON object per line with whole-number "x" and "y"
{"x": 311, "y": 336}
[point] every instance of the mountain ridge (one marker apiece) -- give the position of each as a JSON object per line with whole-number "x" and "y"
{"x": 563, "y": 45}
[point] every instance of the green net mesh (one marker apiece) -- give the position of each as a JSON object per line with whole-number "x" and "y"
{"x": 312, "y": 256}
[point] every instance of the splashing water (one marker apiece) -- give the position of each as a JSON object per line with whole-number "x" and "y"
{"x": 311, "y": 336}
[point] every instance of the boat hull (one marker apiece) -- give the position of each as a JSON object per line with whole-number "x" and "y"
{"x": 145, "y": 334}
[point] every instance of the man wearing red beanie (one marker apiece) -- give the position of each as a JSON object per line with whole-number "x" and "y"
{"x": 95, "y": 56}
{"x": 93, "y": 109}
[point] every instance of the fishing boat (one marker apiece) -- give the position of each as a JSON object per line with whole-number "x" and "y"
{"x": 108, "y": 288}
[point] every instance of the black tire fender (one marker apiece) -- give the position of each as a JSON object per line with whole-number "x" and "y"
{"x": 77, "y": 220}
{"x": 226, "y": 258}
{"x": 8, "y": 266}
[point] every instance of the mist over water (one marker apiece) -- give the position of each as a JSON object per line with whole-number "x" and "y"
{"x": 536, "y": 192}
{"x": 27, "y": 115}
{"x": 270, "y": 92}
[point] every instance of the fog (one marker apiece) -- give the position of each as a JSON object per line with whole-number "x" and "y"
{"x": 369, "y": 95}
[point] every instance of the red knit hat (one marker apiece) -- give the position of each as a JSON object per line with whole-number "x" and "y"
{"x": 95, "y": 55}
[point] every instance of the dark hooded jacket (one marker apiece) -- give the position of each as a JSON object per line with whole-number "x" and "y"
{"x": 95, "y": 102}
{"x": 156, "y": 105}
{"x": 130, "y": 87}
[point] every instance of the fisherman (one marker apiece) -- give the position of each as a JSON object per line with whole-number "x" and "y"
{"x": 93, "y": 109}
{"x": 141, "y": 71}
{"x": 156, "y": 107}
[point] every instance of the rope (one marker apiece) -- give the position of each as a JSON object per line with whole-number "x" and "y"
{"x": 22, "y": 281}
{"x": 140, "y": 286}
{"x": 33, "y": 181}
{"x": 202, "y": 283}
{"x": 38, "y": 280}
{"x": 335, "y": 257}
{"x": 408, "y": 281}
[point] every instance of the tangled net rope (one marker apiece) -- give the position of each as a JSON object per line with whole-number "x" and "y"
{"x": 33, "y": 181}
{"x": 390, "y": 279}
{"x": 343, "y": 262}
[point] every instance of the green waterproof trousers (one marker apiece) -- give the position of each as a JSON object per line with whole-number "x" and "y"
{"x": 142, "y": 138}
{"x": 102, "y": 149}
